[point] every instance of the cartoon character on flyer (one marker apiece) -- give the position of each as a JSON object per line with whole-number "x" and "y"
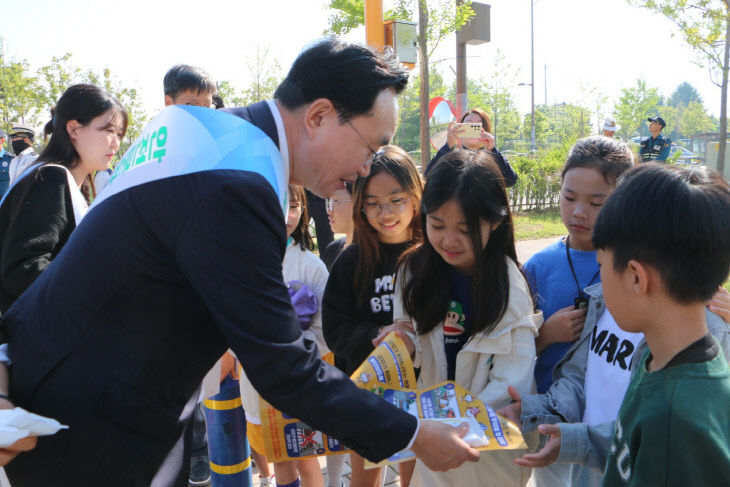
{"x": 454, "y": 321}
{"x": 365, "y": 377}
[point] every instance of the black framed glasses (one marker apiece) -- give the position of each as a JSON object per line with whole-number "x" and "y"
{"x": 373, "y": 153}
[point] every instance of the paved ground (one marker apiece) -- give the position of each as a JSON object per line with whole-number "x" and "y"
{"x": 391, "y": 474}
{"x": 525, "y": 249}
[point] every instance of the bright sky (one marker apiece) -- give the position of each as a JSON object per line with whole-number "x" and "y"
{"x": 586, "y": 44}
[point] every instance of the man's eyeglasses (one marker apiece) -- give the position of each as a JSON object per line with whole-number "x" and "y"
{"x": 329, "y": 203}
{"x": 396, "y": 206}
{"x": 374, "y": 153}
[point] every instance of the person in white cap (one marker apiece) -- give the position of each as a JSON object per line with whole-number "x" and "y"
{"x": 21, "y": 138}
{"x": 610, "y": 127}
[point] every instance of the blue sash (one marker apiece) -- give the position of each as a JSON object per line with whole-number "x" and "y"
{"x": 187, "y": 139}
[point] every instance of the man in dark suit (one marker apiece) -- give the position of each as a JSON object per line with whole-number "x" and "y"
{"x": 115, "y": 337}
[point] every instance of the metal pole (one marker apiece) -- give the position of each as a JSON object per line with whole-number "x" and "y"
{"x": 532, "y": 75}
{"x": 461, "y": 94}
{"x": 546, "y": 85}
{"x": 374, "y": 31}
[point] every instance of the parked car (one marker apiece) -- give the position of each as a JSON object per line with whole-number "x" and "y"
{"x": 686, "y": 156}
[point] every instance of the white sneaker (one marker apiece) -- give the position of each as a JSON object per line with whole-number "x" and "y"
{"x": 267, "y": 481}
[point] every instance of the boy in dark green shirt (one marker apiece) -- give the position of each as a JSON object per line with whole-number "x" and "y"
{"x": 663, "y": 240}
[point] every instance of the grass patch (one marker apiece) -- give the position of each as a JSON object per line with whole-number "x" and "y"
{"x": 530, "y": 226}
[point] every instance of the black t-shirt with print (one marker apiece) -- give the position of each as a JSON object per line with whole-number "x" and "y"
{"x": 348, "y": 327}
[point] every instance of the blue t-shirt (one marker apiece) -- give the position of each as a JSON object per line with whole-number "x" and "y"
{"x": 554, "y": 287}
{"x": 457, "y": 328}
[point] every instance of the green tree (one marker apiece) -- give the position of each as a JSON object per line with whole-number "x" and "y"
{"x": 20, "y": 98}
{"x": 558, "y": 123}
{"x": 229, "y": 94}
{"x": 407, "y": 135}
{"x": 436, "y": 20}
{"x": 493, "y": 96}
{"x": 266, "y": 73}
{"x": 634, "y": 106}
{"x": 684, "y": 94}
{"x": 59, "y": 75}
{"x": 695, "y": 120}
{"x": 705, "y": 26}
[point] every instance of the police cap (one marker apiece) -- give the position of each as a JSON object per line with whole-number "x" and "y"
{"x": 658, "y": 120}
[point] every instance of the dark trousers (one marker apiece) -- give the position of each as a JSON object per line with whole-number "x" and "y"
{"x": 199, "y": 435}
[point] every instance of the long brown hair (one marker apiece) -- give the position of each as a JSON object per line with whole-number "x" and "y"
{"x": 301, "y": 234}
{"x": 396, "y": 162}
{"x": 486, "y": 122}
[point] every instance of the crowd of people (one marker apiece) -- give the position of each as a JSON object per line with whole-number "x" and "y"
{"x": 608, "y": 348}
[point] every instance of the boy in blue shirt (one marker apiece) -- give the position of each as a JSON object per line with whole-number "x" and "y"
{"x": 559, "y": 273}
{"x": 663, "y": 240}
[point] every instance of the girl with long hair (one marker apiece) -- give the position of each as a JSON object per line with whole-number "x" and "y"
{"x": 48, "y": 200}
{"x": 470, "y": 305}
{"x": 359, "y": 294}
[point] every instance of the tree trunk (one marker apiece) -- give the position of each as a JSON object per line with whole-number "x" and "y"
{"x": 723, "y": 97}
{"x": 425, "y": 130}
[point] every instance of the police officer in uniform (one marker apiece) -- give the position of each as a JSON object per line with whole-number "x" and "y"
{"x": 5, "y": 158}
{"x": 656, "y": 147}
{"x": 21, "y": 138}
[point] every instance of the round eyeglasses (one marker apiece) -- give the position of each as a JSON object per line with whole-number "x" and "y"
{"x": 395, "y": 206}
{"x": 329, "y": 203}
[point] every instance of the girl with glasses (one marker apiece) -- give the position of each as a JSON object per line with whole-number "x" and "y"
{"x": 358, "y": 299}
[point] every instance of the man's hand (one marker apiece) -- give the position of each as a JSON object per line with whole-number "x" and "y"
{"x": 548, "y": 454}
{"x": 440, "y": 447}
{"x": 564, "y": 325}
{"x": 23, "y": 444}
{"x": 513, "y": 410}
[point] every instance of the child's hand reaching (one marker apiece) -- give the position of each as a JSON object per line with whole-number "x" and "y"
{"x": 513, "y": 410}
{"x": 564, "y": 325}
{"x": 548, "y": 454}
{"x": 720, "y": 303}
{"x": 401, "y": 328}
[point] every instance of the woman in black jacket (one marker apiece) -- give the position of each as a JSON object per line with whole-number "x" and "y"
{"x": 39, "y": 212}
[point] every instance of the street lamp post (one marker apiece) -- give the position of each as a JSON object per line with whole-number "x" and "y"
{"x": 532, "y": 114}
{"x": 532, "y": 75}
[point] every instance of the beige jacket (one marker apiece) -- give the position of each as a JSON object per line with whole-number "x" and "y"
{"x": 486, "y": 365}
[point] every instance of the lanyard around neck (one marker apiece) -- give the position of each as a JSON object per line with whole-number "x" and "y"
{"x": 572, "y": 270}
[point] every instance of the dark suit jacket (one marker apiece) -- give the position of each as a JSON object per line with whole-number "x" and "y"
{"x": 115, "y": 337}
